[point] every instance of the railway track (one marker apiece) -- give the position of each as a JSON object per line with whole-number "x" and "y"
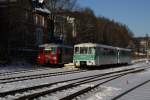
{"x": 22, "y": 75}
{"x": 10, "y": 77}
{"x": 67, "y": 85}
{"x": 36, "y": 76}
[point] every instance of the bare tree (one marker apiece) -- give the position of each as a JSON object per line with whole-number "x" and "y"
{"x": 56, "y": 5}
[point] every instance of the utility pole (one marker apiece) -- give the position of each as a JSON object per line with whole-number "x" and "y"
{"x": 147, "y": 40}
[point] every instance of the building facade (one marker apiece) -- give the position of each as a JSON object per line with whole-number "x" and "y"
{"x": 24, "y": 25}
{"x": 142, "y": 46}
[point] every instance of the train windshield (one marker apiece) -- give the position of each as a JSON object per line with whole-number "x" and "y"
{"x": 77, "y": 50}
{"x": 83, "y": 50}
{"x": 47, "y": 52}
{"x": 91, "y": 50}
{"x": 50, "y": 50}
{"x": 41, "y": 50}
{"x": 53, "y": 50}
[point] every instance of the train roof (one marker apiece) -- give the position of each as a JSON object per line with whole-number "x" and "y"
{"x": 93, "y": 45}
{"x": 99, "y": 45}
{"x": 49, "y": 45}
{"x": 123, "y": 49}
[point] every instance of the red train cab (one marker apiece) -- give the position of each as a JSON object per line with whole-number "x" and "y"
{"x": 55, "y": 54}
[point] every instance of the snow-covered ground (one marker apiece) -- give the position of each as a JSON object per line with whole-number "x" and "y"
{"x": 105, "y": 92}
{"x": 139, "y": 60}
{"x": 15, "y": 66}
{"x": 33, "y": 82}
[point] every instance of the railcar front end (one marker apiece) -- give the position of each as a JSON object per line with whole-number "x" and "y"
{"x": 84, "y": 56}
{"x": 84, "y": 60}
{"x": 54, "y": 54}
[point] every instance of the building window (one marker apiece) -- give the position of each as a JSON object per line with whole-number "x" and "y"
{"x": 39, "y": 36}
{"x": 26, "y": 15}
{"x": 36, "y": 19}
{"x": 42, "y": 21}
{"x": 12, "y": 0}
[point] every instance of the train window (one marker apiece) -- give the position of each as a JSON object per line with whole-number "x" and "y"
{"x": 105, "y": 51}
{"x": 53, "y": 49}
{"x": 124, "y": 53}
{"x": 67, "y": 50}
{"x": 112, "y": 52}
{"x": 83, "y": 50}
{"x": 101, "y": 51}
{"x": 109, "y": 51}
{"x": 47, "y": 51}
{"x": 76, "y": 50}
{"x": 90, "y": 50}
{"x": 41, "y": 50}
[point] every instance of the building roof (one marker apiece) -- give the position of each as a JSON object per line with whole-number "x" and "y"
{"x": 43, "y": 10}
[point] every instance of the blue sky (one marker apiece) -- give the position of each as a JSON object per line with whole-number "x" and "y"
{"x": 134, "y": 13}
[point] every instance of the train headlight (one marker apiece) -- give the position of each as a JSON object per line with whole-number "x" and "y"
{"x": 54, "y": 58}
{"x": 76, "y": 62}
{"x": 89, "y": 61}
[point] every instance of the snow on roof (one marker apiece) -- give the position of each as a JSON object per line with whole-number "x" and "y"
{"x": 45, "y": 10}
{"x": 123, "y": 49}
{"x": 99, "y": 45}
{"x": 93, "y": 45}
{"x": 54, "y": 45}
{"x": 41, "y": 1}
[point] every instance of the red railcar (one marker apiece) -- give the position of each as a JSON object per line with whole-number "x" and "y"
{"x": 55, "y": 54}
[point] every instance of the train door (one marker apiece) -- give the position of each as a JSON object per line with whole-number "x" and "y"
{"x": 118, "y": 56}
{"x": 97, "y": 55}
{"x": 41, "y": 56}
{"x": 65, "y": 55}
{"x": 60, "y": 56}
{"x": 47, "y": 53}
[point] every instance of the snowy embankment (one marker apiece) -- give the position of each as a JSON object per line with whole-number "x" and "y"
{"x": 71, "y": 65}
{"x": 139, "y": 60}
{"x": 21, "y": 65}
{"x": 15, "y": 66}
